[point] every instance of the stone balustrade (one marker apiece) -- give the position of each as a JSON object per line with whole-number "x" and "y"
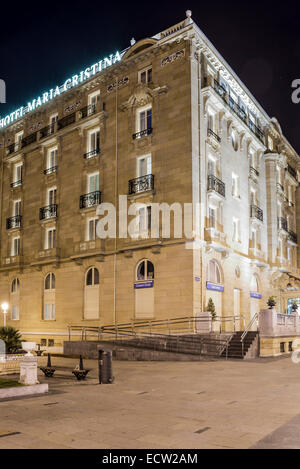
{"x": 273, "y": 324}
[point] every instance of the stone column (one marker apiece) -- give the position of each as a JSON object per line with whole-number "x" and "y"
{"x": 28, "y": 371}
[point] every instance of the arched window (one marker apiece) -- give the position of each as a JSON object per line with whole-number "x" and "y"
{"x": 15, "y": 285}
{"x": 50, "y": 282}
{"x": 49, "y": 297}
{"x": 15, "y": 299}
{"x": 254, "y": 284}
{"x": 145, "y": 270}
{"x": 213, "y": 272}
{"x": 92, "y": 276}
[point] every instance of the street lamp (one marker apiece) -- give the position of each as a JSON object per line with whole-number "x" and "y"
{"x": 4, "y": 307}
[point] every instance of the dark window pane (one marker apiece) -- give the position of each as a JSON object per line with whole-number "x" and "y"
{"x": 47, "y": 282}
{"x": 141, "y": 271}
{"x": 150, "y": 270}
{"x": 89, "y": 277}
{"x": 96, "y": 277}
{"x": 53, "y": 282}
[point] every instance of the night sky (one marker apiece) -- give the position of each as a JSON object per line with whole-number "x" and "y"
{"x": 44, "y": 43}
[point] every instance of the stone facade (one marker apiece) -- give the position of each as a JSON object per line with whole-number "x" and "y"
{"x": 207, "y": 142}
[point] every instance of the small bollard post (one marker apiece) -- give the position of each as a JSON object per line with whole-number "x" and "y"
{"x": 105, "y": 367}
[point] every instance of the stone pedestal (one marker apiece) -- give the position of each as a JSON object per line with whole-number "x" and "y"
{"x": 28, "y": 371}
{"x": 203, "y": 323}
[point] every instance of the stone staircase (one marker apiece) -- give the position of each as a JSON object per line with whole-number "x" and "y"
{"x": 251, "y": 346}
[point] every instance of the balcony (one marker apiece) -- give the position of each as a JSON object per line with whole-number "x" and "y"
{"x": 292, "y": 236}
{"x": 53, "y": 169}
{"x": 16, "y": 183}
{"x": 292, "y": 172}
{"x": 142, "y": 133}
{"x": 254, "y": 172}
{"x": 46, "y": 131}
{"x": 211, "y": 133}
{"x": 65, "y": 121}
{"x": 29, "y": 139}
{"x": 238, "y": 111}
{"x": 87, "y": 111}
{"x": 141, "y": 184}
{"x": 216, "y": 185}
{"x": 91, "y": 154}
{"x": 91, "y": 199}
{"x": 282, "y": 224}
{"x": 256, "y": 212}
{"x": 13, "y": 222}
{"x": 50, "y": 211}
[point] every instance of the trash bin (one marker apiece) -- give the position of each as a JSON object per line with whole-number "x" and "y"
{"x": 105, "y": 367}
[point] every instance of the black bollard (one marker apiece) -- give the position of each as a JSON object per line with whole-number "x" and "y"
{"x": 81, "y": 363}
{"x": 105, "y": 367}
{"x": 49, "y": 361}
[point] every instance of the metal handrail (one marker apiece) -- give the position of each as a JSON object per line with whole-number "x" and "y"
{"x": 244, "y": 334}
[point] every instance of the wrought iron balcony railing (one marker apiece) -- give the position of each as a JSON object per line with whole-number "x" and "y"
{"x": 48, "y": 130}
{"x": 91, "y": 154}
{"x": 13, "y": 222}
{"x": 53, "y": 169}
{"x": 50, "y": 211}
{"x": 256, "y": 212}
{"x": 211, "y": 133}
{"x": 87, "y": 111}
{"x": 238, "y": 111}
{"x": 292, "y": 236}
{"x": 90, "y": 199}
{"x": 292, "y": 171}
{"x": 142, "y": 133}
{"x": 141, "y": 184}
{"x": 65, "y": 121}
{"x": 282, "y": 224}
{"x": 29, "y": 139}
{"x": 254, "y": 171}
{"x": 16, "y": 183}
{"x": 215, "y": 184}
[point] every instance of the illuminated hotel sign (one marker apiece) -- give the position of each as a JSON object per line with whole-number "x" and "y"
{"x": 53, "y": 92}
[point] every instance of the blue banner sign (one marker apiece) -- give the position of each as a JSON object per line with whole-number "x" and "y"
{"x": 214, "y": 286}
{"x": 197, "y": 279}
{"x": 144, "y": 284}
{"x": 254, "y": 294}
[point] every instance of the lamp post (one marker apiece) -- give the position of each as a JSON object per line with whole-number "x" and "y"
{"x": 4, "y": 307}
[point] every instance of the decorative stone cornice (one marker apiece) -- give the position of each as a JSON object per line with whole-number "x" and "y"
{"x": 142, "y": 95}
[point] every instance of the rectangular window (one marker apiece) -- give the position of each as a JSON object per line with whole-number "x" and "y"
{"x": 50, "y": 240}
{"x": 91, "y": 229}
{"x": 212, "y": 217}
{"x": 18, "y": 170}
{"x": 93, "y": 141}
{"x": 52, "y": 158}
{"x": 15, "y": 248}
{"x": 93, "y": 182}
{"x": 15, "y": 314}
{"x": 52, "y": 121}
{"x": 17, "y": 208}
{"x": 211, "y": 167}
{"x": 144, "y": 166}
{"x": 52, "y": 196}
{"x": 92, "y": 102}
{"x": 18, "y": 140}
{"x": 144, "y": 220}
{"x": 210, "y": 122}
{"x": 145, "y": 120}
{"x": 49, "y": 312}
{"x": 145, "y": 76}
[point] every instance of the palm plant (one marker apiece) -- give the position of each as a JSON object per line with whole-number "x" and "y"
{"x": 11, "y": 337}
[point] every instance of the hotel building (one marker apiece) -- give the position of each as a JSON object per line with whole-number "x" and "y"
{"x": 167, "y": 121}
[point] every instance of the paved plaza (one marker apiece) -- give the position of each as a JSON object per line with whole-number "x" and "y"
{"x": 216, "y": 404}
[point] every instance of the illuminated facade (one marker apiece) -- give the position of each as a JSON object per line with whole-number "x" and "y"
{"x": 167, "y": 121}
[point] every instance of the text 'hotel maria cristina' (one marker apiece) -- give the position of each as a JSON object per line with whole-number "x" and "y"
{"x": 165, "y": 121}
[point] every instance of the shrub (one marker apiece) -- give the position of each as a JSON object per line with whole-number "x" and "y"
{"x": 11, "y": 337}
